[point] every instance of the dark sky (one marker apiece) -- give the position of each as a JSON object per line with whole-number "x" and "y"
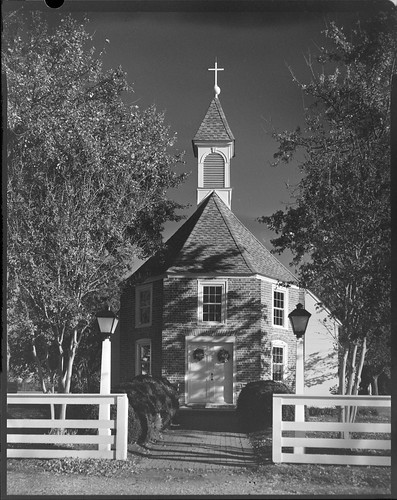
{"x": 167, "y": 55}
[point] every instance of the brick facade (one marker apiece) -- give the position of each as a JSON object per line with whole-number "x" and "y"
{"x": 129, "y": 333}
{"x": 175, "y": 316}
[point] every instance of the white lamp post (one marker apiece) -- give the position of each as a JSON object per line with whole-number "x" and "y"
{"x": 107, "y": 322}
{"x": 299, "y": 318}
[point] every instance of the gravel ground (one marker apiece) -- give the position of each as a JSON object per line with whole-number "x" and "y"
{"x": 183, "y": 482}
{"x": 110, "y": 478}
{"x": 141, "y": 476}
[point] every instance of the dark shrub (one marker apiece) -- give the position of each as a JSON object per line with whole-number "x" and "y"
{"x": 154, "y": 402}
{"x": 315, "y": 411}
{"x": 165, "y": 394}
{"x": 91, "y": 412}
{"x": 255, "y": 404}
{"x": 135, "y": 430}
{"x": 365, "y": 411}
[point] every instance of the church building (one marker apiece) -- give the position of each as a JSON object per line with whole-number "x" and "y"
{"x": 210, "y": 311}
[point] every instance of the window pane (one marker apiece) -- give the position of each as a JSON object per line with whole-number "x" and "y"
{"x": 145, "y": 315}
{"x": 212, "y": 303}
{"x": 278, "y": 308}
{"x": 144, "y": 307}
{"x": 144, "y": 351}
{"x": 278, "y": 354}
{"x": 277, "y": 372}
{"x": 279, "y": 300}
{"x": 212, "y": 312}
{"x": 278, "y": 317}
{"x": 145, "y": 298}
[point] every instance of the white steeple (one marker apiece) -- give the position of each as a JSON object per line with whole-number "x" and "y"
{"x": 213, "y": 146}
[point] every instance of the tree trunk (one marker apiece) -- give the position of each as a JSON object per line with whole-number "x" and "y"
{"x": 352, "y": 369}
{"x": 39, "y": 368}
{"x": 8, "y": 356}
{"x": 342, "y": 384}
{"x": 68, "y": 367}
{"x": 66, "y": 386}
{"x": 374, "y": 385}
{"x": 353, "y": 409}
{"x": 352, "y": 373}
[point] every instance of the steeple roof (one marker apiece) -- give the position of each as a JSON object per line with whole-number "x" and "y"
{"x": 214, "y": 241}
{"x": 214, "y": 126}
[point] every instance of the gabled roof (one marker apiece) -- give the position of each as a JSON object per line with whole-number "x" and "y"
{"x": 214, "y": 126}
{"x": 214, "y": 241}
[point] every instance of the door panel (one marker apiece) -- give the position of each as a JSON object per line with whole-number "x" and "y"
{"x": 197, "y": 375}
{"x": 223, "y": 375}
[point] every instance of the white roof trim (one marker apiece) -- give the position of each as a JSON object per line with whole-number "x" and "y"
{"x": 324, "y": 308}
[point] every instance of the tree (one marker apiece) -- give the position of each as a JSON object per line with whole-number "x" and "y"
{"x": 378, "y": 360}
{"x": 338, "y": 227}
{"x": 86, "y": 189}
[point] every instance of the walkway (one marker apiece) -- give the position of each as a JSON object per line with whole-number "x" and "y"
{"x": 196, "y": 449}
{"x": 201, "y": 439}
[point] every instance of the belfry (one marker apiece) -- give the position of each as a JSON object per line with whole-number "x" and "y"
{"x": 213, "y": 146}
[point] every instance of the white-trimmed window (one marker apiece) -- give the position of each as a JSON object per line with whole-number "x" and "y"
{"x": 280, "y": 308}
{"x": 212, "y": 301}
{"x": 279, "y": 360}
{"x": 143, "y": 305}
{"x": 143, "y": 357}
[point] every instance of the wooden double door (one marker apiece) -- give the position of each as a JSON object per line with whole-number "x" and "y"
{"x": 209, "y": 375}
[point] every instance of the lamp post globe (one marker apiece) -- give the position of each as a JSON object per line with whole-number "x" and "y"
{"x": 107, "y": 322}
{"x": 299, "y": 318}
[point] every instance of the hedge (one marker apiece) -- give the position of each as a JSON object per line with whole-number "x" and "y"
{"x": 255, "y": 404}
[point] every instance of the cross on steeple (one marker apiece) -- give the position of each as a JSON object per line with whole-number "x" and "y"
{"x": 216, "y": 69}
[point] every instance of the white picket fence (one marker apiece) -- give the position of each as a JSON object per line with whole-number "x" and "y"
{"x": 108, "y": 445}
{"x": 300, "y": 441}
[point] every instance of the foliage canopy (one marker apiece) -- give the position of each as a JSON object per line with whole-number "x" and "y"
{"x": 87, "y": 185}
{"x": 338, "y": 227}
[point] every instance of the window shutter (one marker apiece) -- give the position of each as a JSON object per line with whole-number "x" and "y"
{"x": 214, "y": 171}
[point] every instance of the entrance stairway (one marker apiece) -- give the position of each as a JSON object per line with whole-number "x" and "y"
{"x": 207, "y": 419}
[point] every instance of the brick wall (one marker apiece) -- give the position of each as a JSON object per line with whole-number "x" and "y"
{"x": 175, "y": 316}
{"x": 245, "y": 321}
{"x": 271, "y": 333}
{"x": 129, "y": 334}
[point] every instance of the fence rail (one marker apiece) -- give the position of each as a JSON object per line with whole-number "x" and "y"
{"x": 109, "y": 446}
{"x": 301, "y": 441}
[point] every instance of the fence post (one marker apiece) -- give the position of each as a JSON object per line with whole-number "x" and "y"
{"x": 277, "y": 430}
{"x": 122, "y": 427}
{"x": 104, "y": 408}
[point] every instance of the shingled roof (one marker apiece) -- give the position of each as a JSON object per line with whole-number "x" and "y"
{"x": 214, "y": 241}
{"x": 214, "y": 126}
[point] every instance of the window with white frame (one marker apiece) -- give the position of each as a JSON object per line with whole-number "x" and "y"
{"x": 279, "y": 360}
{"x": 212, "y": 302}
{"x": 143, "y": 358}
{"x": 143, "y": 305}
{"x": 279, "y": 307}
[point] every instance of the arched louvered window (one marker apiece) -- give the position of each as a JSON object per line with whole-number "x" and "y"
{"x": 214, "y": 171}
